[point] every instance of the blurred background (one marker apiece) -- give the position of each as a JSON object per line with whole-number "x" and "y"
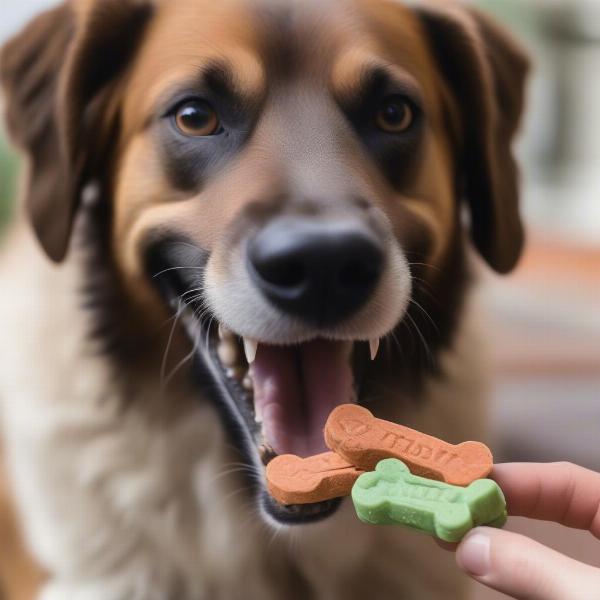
{"x": 544, "y": 320}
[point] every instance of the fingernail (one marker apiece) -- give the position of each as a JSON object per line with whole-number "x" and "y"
{"x": 473, "y": 554}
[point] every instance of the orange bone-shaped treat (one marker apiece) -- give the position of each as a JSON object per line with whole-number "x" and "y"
{"x": 363, "y": 440}
{"x": 295, "y": 480}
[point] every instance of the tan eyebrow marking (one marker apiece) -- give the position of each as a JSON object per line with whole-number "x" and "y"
{"x": 355, "y": 67}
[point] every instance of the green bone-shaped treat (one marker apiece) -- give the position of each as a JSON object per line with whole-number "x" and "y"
{"x": 391, "y": 495}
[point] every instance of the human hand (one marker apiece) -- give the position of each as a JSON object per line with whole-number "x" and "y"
{"x": 520, "y": 567}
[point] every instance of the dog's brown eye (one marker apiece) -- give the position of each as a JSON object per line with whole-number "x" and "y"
{"x": 196, "y": 118}
{"x": 395, "y": 115}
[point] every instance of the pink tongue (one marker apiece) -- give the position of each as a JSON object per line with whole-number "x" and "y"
{"x": 295, "y": 389}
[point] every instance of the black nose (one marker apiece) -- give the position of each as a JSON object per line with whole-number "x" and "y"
{"x": 319, "y": 271}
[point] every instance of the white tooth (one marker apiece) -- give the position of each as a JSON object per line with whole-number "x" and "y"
{"x": 258, "y": 413}
{"x": 227, "y": 352}
{"x": 374, "y": 346}
{"x": 247, "y": 383}
{"x": 235, "y": 373}
{"x": 250, "y": 348}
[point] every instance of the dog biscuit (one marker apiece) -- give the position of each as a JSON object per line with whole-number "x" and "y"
{"x": 391, "y": 495}
{"x": 363, "y": 440}
{"x": 295, "y": 480}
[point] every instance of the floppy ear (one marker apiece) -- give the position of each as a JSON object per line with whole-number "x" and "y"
{"x": 57, "y": 75}
{"x": 485, "y": 70}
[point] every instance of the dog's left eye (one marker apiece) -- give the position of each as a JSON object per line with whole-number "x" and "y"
{"x": 197, "y": 118}
{"x": 395, "y": 115}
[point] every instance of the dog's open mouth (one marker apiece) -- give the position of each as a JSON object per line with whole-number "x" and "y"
{"x": 272, "y": 399}
{"x": 284, "y": 394}
{"x": 290, "y": 390}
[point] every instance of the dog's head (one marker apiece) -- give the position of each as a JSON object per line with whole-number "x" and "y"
{"x": 294, "y": 178}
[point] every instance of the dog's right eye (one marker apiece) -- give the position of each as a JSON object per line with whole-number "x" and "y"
{"x": 196, "y": 118}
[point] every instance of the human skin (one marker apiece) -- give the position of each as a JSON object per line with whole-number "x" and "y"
{"x": 521, "y": 567}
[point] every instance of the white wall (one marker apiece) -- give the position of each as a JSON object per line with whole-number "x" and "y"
{"x": 15, "y": 13}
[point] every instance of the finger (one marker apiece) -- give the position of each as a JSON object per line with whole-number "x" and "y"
{"x": 524, "y": 569}
{"x": 560, "y": 492}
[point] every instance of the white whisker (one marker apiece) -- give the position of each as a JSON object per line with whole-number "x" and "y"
{"x": 175, "y": 269}
{"x": 423, "y": 340}
{"x": 178, "y": 366}
{"x": 163, "y": 366}
{"x": 425, "y": 313}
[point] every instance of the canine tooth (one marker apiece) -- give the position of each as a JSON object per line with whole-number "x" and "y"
{"x": 250, "y": 348}
{"x": 374, "y": 347}
{"x": 228, "y": 354}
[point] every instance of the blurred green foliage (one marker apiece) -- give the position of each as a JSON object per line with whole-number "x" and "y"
{"x": 518, "y": 15}
{"x": 8, "y": 179}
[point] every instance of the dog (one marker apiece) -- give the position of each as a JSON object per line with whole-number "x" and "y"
{"x": 237, "y": 215}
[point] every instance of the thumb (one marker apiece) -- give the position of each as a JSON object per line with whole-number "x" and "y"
{"x": 524, "y": 569}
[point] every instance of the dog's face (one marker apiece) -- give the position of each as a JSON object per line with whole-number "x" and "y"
{"x": 286, "y": 176}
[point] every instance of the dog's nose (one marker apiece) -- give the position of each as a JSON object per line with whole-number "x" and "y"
{"x": 322, "y": 272}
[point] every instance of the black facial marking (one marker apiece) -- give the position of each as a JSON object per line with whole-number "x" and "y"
{"x": 176, "y": 267}
{"x": 429, "y": 328}
{"x": 279, "y": 49}
{"x": 395, "y": 153}
{"x": 189, "y": 161}
{"x": 219, "y": 80}
{"x": 112, "y": 318}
